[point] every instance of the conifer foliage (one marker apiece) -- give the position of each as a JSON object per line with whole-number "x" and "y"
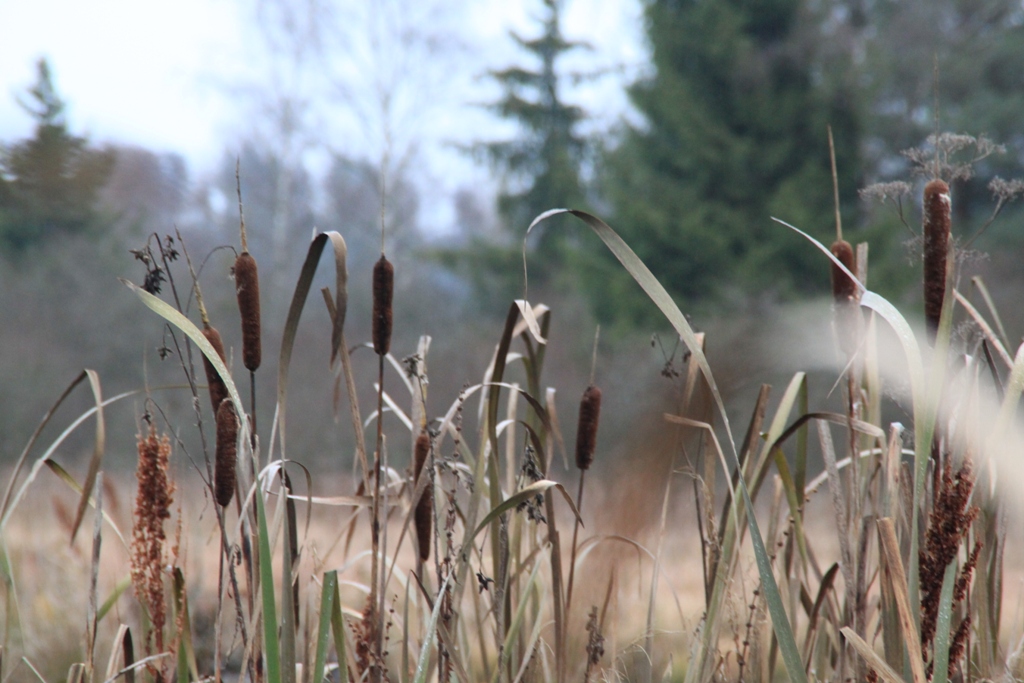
{"x": 49, "y": 183}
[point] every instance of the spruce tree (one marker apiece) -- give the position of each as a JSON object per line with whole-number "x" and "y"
{"x": 540, "y": 168}
{"x": 49, "y": 183}
{"x": 734, "y": 133}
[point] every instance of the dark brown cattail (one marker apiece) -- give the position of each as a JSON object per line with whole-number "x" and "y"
{"x": 383, "y": 291}
{"x": 586, "y": 432}
{"x": 226, "y": 453}
{"x": 218, "y": 390}
{"x": 844, "y": 298}
{"x": 843, "y": 287}
{"x": 424, "y": 516}
{"x": 936, "y": 246}
{"x": 247, "y": 287}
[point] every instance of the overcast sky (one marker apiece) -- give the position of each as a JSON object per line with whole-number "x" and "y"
{"x": 166, "y": 75}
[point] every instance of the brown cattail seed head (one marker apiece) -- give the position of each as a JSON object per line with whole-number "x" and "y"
{"x": 383, "y": 291}
{"x": 247, "y": 287}
{"x": 936, "y": 247}
{"x": 226, "y": 453}
{"x": 424, "y": 516}
{"x": 218, "y": 390}
{"x": 586, "y": 432}
{"x": 844, "y": 297}
{"x": 843, "y": 287}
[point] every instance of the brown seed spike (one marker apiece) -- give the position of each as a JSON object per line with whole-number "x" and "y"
{"x": 218, "y": 391}
{"x": 844, "y": 298}
{"x": 936, "y": 246}
{"x": 424, "y": 516}
{"x": 844, "y": 289}
{"x": 586, "y": 432}
{"x": 383, "y": 292}
{"x": 226, "y": 453}
{"x": 247, "y": 287}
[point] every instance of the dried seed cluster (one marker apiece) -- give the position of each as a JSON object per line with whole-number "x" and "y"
{"x": 152, "y": 507}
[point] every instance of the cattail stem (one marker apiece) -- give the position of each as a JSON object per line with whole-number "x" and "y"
{"x": 936, "y": 250}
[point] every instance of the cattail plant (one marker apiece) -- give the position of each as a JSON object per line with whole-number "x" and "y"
{"x": 586, "y": 432}
{"x": 936, "y": 247}
{"x": 844, "y": 289}
{"x": 218, "y": 390}
{"x": 247, "y": 287}
{"x": 383, "y": 293}
{"x": 226, "y": 453}
{"x": 424, "y": 515}
{"x": 586, "y": 443}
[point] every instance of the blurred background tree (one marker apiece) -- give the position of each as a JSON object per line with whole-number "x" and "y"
{"x": 49, "y": 183}
{"x": 735, "y": 113}
{"x": 538, "y": 169}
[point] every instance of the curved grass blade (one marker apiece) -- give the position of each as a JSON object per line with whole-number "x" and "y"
{"x": 291, "y": 325}
{"x": 97, "y": 453}
{"x": 524, "y": 494}
{"x": 270, "y": 644}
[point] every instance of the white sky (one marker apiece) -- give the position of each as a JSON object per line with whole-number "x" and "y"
{"x": 162, "y": 75}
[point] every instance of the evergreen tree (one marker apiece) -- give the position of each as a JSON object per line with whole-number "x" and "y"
{"x": 49, "y": 184}
{"x": 541, "y": 168}
{"x": 736, "y": 116}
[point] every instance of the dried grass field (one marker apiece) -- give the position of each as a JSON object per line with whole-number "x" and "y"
{"x": 867, "y": 530}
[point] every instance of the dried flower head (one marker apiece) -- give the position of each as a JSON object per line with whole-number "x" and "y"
{"x": 152, "y": 507}
{"x": 950, "y": 156}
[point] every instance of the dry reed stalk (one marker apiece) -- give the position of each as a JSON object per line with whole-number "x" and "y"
{"x": 226, "y": 452}
{"x": 152, "y": 507}
{"x": 383, "y": 293}
{"x": 936, "y": 248}
{"x": 586, "y": 432}
{"x": 424, "y": 515}
{"x": 218, "y": 390}
{"x": 247, "y": 288}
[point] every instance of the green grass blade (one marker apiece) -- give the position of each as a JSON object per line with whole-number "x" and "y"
{"x": 270, "y": 644}
{"x": 323, "y": 632}
{"x": 338, "y": 628}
